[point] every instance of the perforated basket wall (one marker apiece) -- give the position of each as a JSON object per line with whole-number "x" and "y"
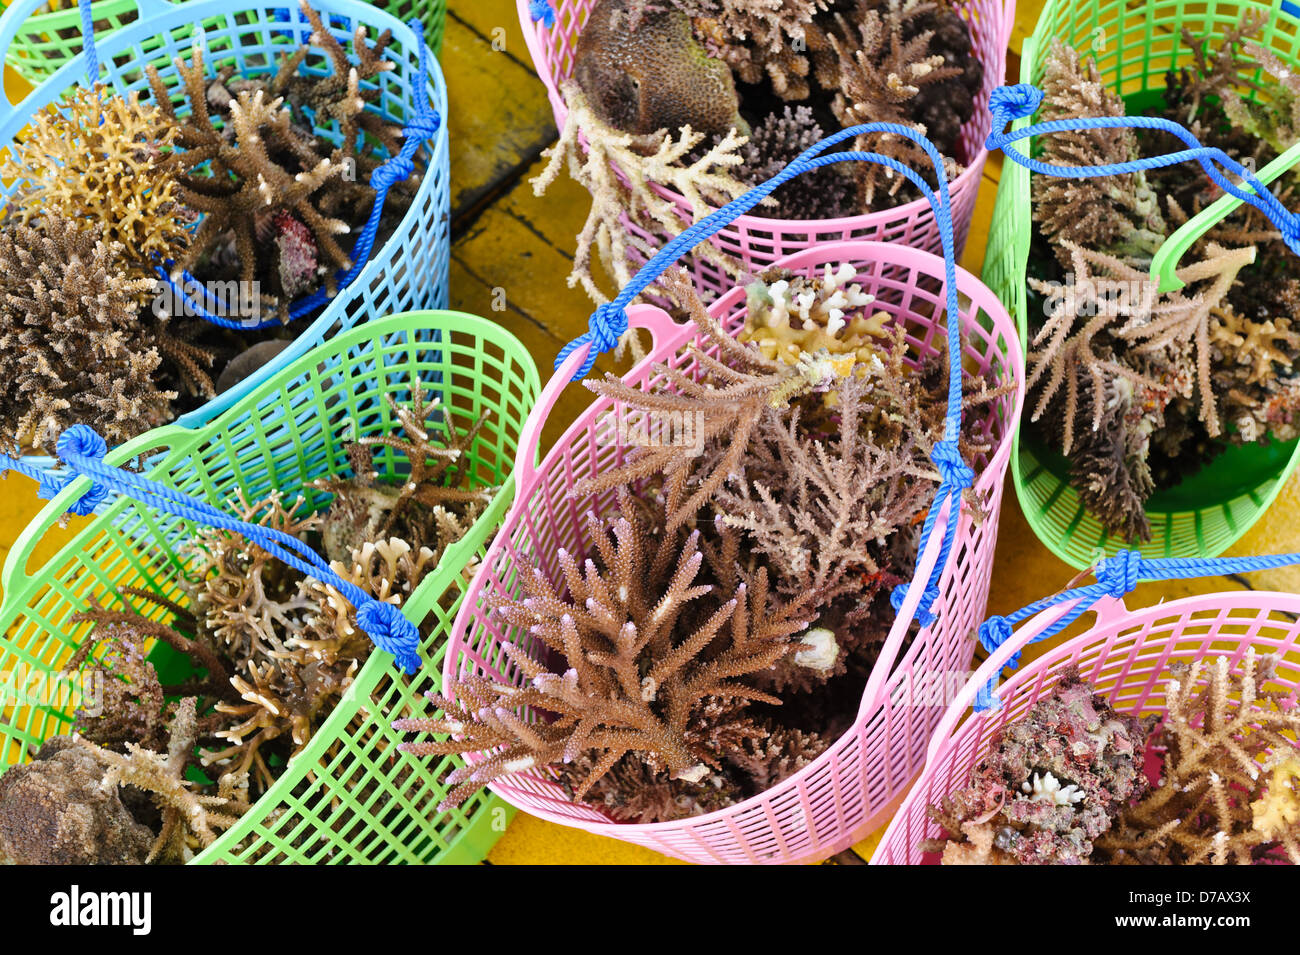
{"x": 350, "y": 797}
{"x": 1126, "y": 655}
{"x": 409, "y": 270}
{"x": 758, "y": 242}
{"x": 1134, "y": 45}
{"x": 48, "y": 39}
{"x": 821, "y": 809}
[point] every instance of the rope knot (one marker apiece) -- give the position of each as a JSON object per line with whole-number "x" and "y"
{"x": 396, "y": 169}
{"x": 952, "y": 466}
{"x": 607, "y": 326}
{"x": 385, "y": 624}
{"x": 542, "y": 12}
{"x": 1118, "y": 575}
{"x": 924, "y": 616}
{"x": 80, "y": 441}
{"x": 424, "y": 126}
{"x": 1009, "y": 103}
{"x": 994, "y": 632}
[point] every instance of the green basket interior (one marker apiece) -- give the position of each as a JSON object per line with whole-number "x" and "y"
{"x": 350, "y": 796}
{"x": 1135, "y": 44}
{"x": 49, "y": 39}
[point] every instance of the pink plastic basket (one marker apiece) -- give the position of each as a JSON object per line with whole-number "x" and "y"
{"x": 758, "y": 242}
{"x": 831, "y": 802}
{"x": 1126, "y": 655}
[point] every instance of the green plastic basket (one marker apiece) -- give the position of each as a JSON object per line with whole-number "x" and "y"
{"x": 350, "y": 797}
{"x": 49, "y": 39}
{"x": 1135, "y": 44}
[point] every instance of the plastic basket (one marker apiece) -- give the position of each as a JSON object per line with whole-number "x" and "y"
{"x": 48, "y": 40}
{"x": 1134, "y": 45}
{"x": 1125, "y": 655}
{"x": 758, "y": 242}
{"x": 821, "y": 809}
{"x": 409, "y": 271}
{"x": 350, "y": 796}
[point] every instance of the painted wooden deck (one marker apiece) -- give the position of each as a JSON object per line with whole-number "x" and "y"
{"x": 510, "y": 255}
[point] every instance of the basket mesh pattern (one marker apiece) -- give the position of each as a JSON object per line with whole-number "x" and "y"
{"x": 48, "y": 40}
{"x": 820, "y": 809}
{"x": 410, "y": 270}
{"x": 349, "y": 797}
{"x": 1134, "y": 45}
{"x": 758, "y": 242}
{"x": 1127, "y": 657}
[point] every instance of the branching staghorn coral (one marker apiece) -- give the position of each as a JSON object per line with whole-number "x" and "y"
{"x": 888, "y": 70}
{"x": 1052, "y": 784}
{"x": 430, "y": 505}
{"x": 1226, "y": 792}
{"x": 828, "y": 193}
{"x": 190, "y": 820}
{"x": 105, "y": 163}
{"x": 1119, "y": 215}
{"x": 621, "y": 170}
{"x": 647, "y": 650}
{"x": 1169, "y": 380}
{"x": 74, "y": 348}
{"x": 274, "y": 196}
{"x": 1106, "y": 295}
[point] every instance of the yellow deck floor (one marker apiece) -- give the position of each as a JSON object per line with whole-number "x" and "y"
{"x": 507, "y": 238}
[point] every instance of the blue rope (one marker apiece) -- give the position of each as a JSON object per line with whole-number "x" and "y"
{"x": 1010, "y": 103}
{"x": 83, "y": 450}
{"x": 609, "y": 321}
{"x": 422, "y": 127}
{"x": 542, "y": 12}
{"x": 88, "y": 42}
{"x": 1116, "y": 576}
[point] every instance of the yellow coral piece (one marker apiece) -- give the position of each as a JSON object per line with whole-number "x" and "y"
{"x": 792, "y": 318}
{"x": 103, "y": 159}
{"x": 1279, "y": 808}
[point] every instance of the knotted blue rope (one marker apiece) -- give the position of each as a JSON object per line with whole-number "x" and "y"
{"x": 1115, "y": 576}
{"x": 82, "y": 450}
{"x": 421, "y": 127}
{"x": 609, "y": 321}
{"x": 542, "y": 12}
{"x": 1010, "y": 103}
{"x": 88, "y": 42}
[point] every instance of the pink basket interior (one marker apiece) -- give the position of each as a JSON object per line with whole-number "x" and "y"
{"x": 758, "y": 242}
{"x": 1126, "y": 656}
{"x": 817, "y": 810}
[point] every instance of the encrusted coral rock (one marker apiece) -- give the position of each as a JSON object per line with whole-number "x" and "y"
{"x": 654, "y": 77}
{"x": 1055, "y": 780}
{"x": 55, "y": 810}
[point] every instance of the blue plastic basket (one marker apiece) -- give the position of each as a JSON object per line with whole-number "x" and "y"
{"x": 409, "y": 271}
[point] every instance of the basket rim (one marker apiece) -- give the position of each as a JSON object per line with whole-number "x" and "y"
{"x": 187, "y": 441}
{"x": 1016, "y": 179}
{"x": 194, "y": 12}
{"x": 992, "y": 474}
